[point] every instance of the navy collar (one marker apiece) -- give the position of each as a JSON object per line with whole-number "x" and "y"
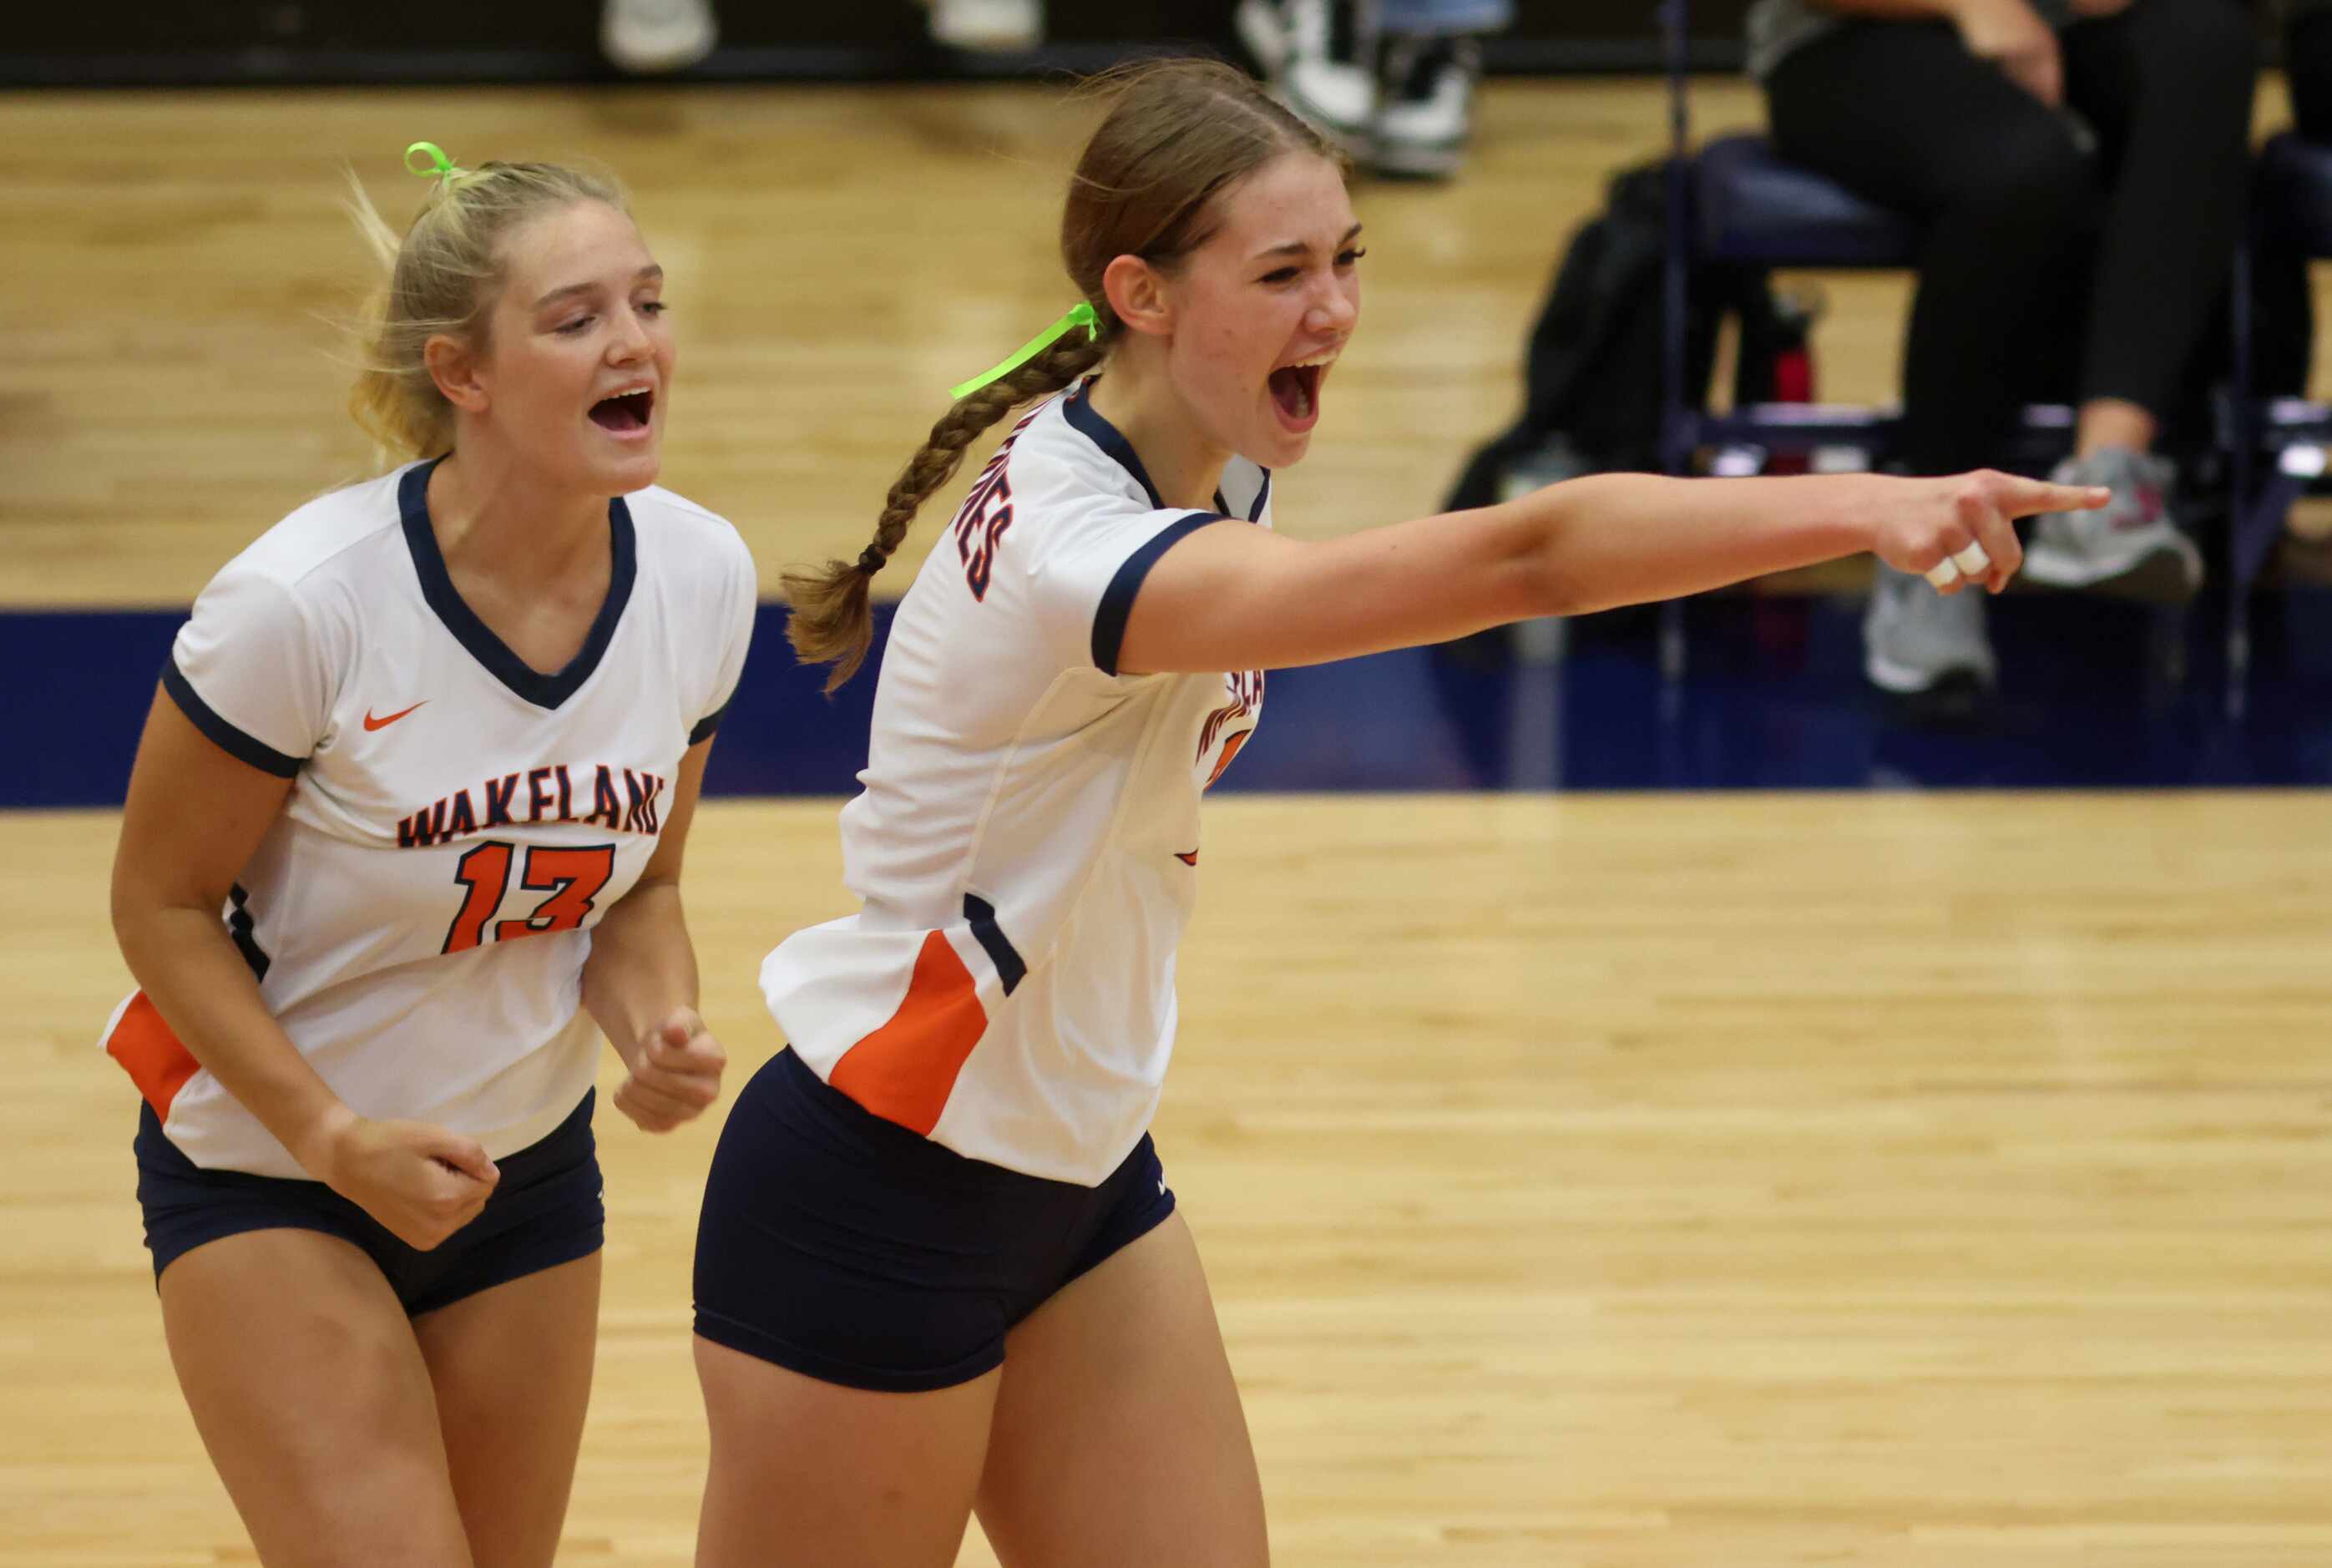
{"x": 1090, "y": 423}
{"x": 1087, "y": 419}
{"x": 438, "y": 588}
{"x": 1262, "y": 495}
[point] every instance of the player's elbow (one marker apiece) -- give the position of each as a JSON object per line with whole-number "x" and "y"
{"x": 1524, "y": 573}
{"x": 1545, "y": 583}
{"x": 132, "y": 906}
{"x": 137, "y": 919}
{"x": 1556, "y": 571}
{"x": 145, "y": 913}
{"x": 1557, "y": 590}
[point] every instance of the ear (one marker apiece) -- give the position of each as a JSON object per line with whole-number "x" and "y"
{"x": 1137, "y": 295}
{"x": 455, "y": 368}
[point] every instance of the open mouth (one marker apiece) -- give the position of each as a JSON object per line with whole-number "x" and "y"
{"x": 625, "y": 413}
{"x": 1295, "y": 391}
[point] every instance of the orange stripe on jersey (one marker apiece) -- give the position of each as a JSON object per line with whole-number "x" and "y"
{"x": 905, "y": 1071}
{"x": 150, "y": 1052}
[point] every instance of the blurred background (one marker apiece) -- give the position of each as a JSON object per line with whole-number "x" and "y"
{"x": 1779, "y": 1078}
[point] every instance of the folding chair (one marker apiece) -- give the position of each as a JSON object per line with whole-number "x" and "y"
{"x": 1738, "y": 203}
{"x": 2275, "y": 445}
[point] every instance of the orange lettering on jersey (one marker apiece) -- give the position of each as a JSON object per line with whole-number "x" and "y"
{"x": 604, "y": 806}
{"x": 1246, "y": 697}
{"x": 151, "y": 1053}
{"x": 1231, "y": 749}
{"x": 905, "y": 1071}
{"x": 552, "y": 792}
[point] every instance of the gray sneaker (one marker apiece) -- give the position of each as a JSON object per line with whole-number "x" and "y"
{"x": 1426, "y": 114}
{"x": 1320, "y": 55}
{"x": 2129, "y": 546}
{"x": 1915, "y": 641}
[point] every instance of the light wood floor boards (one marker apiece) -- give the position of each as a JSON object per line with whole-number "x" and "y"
{"x": 1635, "y": 1183}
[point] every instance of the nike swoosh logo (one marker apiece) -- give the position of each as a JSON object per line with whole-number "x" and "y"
{"x": 382, "y": 724}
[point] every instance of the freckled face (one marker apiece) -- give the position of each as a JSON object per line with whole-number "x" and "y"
{"x": 1263, "y": 307}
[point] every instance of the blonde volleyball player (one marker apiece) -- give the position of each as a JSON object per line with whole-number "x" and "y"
{"x": 406, "y": 823}
{"x": 939, "y": 1269}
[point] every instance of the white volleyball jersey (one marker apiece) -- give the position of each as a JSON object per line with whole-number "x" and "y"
{"x": 1027, "y": 842}
{"x": 419, "y": 914}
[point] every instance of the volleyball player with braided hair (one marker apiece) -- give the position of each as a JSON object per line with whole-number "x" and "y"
{"x": 403, "y": 837}
{"x": 939, "y": 1269}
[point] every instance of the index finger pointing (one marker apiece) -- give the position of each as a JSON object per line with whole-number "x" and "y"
{"x": 2029, "y": 497}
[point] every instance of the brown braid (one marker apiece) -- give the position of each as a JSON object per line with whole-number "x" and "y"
{"x": 832, "y": 620}
{"x": 1180, "y": 134}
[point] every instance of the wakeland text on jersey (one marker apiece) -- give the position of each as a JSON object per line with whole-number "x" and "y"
{"x": 550, "y": 796}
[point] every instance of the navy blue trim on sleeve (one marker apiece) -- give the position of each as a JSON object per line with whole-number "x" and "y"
{"x": 1000, "y": 950}
{"x": 1117, "y": 600}
{"x": 243, "y": 748}
{"x": 710, "y": 723}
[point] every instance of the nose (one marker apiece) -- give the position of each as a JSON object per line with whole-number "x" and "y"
{"x": 1332, "y": 309}
{"x": 629, "y": 343}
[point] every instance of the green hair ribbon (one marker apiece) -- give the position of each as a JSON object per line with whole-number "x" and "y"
{"x": 439, "y": 167}
{"x": 1080, "y": 314}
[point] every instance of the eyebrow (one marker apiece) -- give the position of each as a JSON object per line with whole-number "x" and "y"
{"x": 1298, "y": 248}
{"x": 649, "y": 274}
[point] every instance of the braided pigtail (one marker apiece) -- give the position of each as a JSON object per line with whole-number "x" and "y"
{"x": 832, "y": 620}
{"x": 1180, "y": 134}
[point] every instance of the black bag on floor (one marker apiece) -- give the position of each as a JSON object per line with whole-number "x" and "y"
{"x": 1593, "y": 372}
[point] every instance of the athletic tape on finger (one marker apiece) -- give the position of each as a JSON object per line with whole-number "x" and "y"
{"x": 1973, "y": 561}
{"x": 1943, "y": 574}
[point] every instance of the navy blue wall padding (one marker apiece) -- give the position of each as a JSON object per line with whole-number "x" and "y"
{"x": 1778, "y": 701}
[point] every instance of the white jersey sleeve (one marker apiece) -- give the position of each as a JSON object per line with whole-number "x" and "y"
{"x": 253, "y": 669}
{"x": 1085, "y": 569}
{"x": 732, "y": 610}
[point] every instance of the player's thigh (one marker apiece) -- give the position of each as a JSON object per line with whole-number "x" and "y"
{"x": 1118, "y": 1435}
{"x": 511, "y": 1365}
{"x": 309, "y": 1391}
{"x": 807, "y": 1474}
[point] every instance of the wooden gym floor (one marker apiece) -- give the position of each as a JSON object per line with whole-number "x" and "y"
{"x": 1699, "y": 1181}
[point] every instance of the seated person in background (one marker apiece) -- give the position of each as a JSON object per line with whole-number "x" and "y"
{"x": 2079, "y": 169}
{"x": 1392, "y": 80}
{"x": 651, "y": 37}
{"x": 2307, "y": 66}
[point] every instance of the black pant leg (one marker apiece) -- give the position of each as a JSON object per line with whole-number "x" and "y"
{"x": 2168, "y": 83}
{"x": 2307, "y": 68}
{"x": 1903, "y": 115}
